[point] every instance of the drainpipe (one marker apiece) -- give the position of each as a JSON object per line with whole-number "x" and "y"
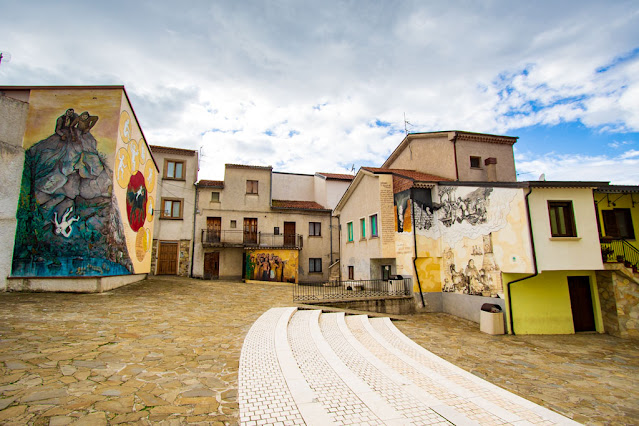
{"x": 339, "y": 242}
{"x": 194, "y": 222}
{"x": 412, "y": 218}
{"x": 535, "y": 273}
{"x": 455, "y": 154}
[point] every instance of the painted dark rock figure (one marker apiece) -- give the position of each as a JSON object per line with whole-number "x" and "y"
{"x": 68, "y": 220}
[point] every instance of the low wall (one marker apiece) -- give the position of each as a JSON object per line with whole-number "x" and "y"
{"x": 393, "y": 306}
{"x": 71, "y": 284}
{"x": 461, "y": 305}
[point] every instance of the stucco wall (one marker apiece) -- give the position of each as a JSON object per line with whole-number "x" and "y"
{"x": 565, "y": 253}
{"x": 502, "y": 152}
{"x": 429, "y": 154}
{"x": 293, "y": 186}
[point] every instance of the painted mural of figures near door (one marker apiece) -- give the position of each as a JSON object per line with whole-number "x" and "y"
{"x": 272, "y": 265}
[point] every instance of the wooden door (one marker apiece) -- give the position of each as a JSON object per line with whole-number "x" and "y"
{"x": 289, "y": 234}
{"x": 250, "y": 230}
{"x": 211, "y": 265}
{"x": 583, "y": 316}
{"x": 167, "y": 258}
{"x": 213, "y": 229}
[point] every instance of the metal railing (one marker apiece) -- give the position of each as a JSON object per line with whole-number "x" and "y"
{"x": 619, "y": 250}
{"x": 352, "y": 289}
{"x": 221, "y": 238}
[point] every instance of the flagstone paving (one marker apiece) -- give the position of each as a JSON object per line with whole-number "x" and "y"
{"x": 167, "y": 351}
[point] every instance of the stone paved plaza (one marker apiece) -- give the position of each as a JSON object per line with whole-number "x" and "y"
{"x": 167, "y": 351}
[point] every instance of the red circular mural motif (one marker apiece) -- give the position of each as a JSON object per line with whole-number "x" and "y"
{"x": 136, "y": 199}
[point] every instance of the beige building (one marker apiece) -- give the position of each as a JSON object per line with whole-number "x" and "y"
{"x": 266, "y": 226}
{"x": 175, "y": 204}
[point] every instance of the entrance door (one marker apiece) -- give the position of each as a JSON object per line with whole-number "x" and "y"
{"x": 213, "y": 229}
{"x": 167, "y": 258}
{"x": 211, "y": 265}
{"x": 583, "y": 315}
{"x": 289, "y": 234}
{"x": 250, "y": 230}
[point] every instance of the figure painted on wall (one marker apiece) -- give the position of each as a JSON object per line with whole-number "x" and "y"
{"x": 266, "y": 266}
{"x": 421, "y": 198}
{"x": 68, "y": 220}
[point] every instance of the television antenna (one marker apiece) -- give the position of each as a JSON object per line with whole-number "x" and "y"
{"x": 4, "y": 57}
{"x": 406, "y": 124}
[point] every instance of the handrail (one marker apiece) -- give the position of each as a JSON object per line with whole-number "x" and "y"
{"x": 352, "y": 289}
{"x": 240, "y": 237}
{"x": 619, "y": 250}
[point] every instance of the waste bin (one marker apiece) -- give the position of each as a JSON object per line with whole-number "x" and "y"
{"x": 491, "y": 319}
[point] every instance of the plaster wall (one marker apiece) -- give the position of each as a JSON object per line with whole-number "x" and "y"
{"x": 625, "y": 201}
{"x": 432, "y": 154}
{"x": 235, "y": 196}
{"x": 293, "y": 186}
{"x": 565, "y": 253}
{"x": 334, "y": 189}
{"x": 502, "y": 152}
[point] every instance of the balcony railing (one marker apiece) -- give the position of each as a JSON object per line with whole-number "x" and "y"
{"x": 352, "y": 289}
{"x": 619, "y": 250}
{"x": 230, "y": 238}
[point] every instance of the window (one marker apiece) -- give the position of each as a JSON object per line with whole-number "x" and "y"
{"x": 171, "y": 208}
{"x": 174, "y": 169}
{"x": 314, "y": 229}
{"x": 251, "y": 186}
{"x": 351, "y": 272}
{"x": 618, "y": 223}
{"x": 562, "y": 219}
{"x": 362, "y": 228}
{"x": 349, "y": 229}
{"x": 234, "y": 224}
{"x": 373, "y": 220}
{"x": 276, "y": 230}
{"x": 475, "y": 162}
{"x": 315, "y": 264}
{"x": 215, "y": 197}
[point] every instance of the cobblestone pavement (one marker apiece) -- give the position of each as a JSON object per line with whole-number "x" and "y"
{"x": 167, "y": 351}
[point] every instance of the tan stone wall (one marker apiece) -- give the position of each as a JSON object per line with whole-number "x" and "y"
{"x": 619, "y": 296}
{"x": 184, "y": 266}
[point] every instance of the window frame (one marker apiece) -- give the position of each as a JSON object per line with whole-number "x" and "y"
{"x": 569, "y": 224}
{"x": 608, "y": 214}
{"x": 362, "y": 228}
{"x": 175, "y": 162}
{"x": 313, "y": 262}
{"x": 349, "y": 232}
{"x": 233, "y": 224}
{"x": 314, "y": 229}
{"x": 351, "y": 272}
{"x": 172, "y": 200}
{"x": 252, "y": 187}
{"x": 478, "y": 159}
{"x": 215, "y": 199}
{"x": 374, "y": 225}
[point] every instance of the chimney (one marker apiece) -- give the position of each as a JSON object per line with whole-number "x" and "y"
{"x": 491, "y": 169}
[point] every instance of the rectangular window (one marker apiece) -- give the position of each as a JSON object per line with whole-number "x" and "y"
{"x": 276, "y": 230}
{"x": 215, "y": 197}
{"x": 251, "y": 186}
{"x": 562, "y": 219}
{"x": 351, "y": 272}
{"x": 234, "y": 224}
{"x": 618, "y": 223}
{"x": 314, "y": 229}
{"x": 373, "y": 220}
{"x": 174, "y": 169}
{"x": 475, "y": 162}
{"x": 349, "y": 229}
{"x": 171, "y": 208}
{"x": 315, "y": 264}
{"x": 362, "y": 228}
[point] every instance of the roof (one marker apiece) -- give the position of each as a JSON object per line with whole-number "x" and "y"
{"x": 410, "y": 174}
{"x": 336, "y": 176}
{"x": 618, "y": 189}
{"x": 171, "y": 150}
{"x": 297, "y": 205}
{"x": 211, "y": 183}
{"x": 60, "y": 87}
{"x": 246, "y": 166}
{"x": 565, "y": 184}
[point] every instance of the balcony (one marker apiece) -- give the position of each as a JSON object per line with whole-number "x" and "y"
{"x": 229, "y": 238}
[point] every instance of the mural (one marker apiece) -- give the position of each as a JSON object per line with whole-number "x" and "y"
{"x": 272, "y": 265}
{"x": 67, "y": 225}
{"x": 420, "y": 196}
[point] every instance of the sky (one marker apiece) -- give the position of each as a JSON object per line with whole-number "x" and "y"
{"x": 332, "y": 86}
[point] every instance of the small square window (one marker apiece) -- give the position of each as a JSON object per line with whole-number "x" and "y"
{"x": 475, "y": 162}
{"x": 314, "y": 229}
{"x": 234, "y": 224}
{"x": 174, "y": 169}
{"x": 315, "y": 264}
{"x": 251, "y": 186}
{"x": 215, "y": 197}
{"x": 562, "y": 219}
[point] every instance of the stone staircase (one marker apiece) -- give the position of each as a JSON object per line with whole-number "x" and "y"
{"x": 309, "y": 367}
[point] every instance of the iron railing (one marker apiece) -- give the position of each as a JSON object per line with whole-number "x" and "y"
{"x": 352, "y": 289}
{"x": 619, "y": 250}
{"x": 219, "y": 238}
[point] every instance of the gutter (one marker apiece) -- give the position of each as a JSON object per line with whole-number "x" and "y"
{"x": 536, "y": 271}
{"x": 412, "y": 214}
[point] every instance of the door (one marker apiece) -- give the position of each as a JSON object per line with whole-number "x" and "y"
{"x": 211, "y": 265}
{"x": 250, "y": 230}
{"x": 583, "y": 316}
{"x": 289, "y": 234}
{"x": 213, "y": 229}
{"x": 167, "y": 258}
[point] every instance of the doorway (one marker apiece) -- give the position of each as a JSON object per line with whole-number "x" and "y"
{"x": 167, "y": 258}
{"x": 289, "y": 234}
{"x": 583, "y": 315}
{"x": 213, "y": 229}
{"x": 212, "y": 265}
{"x": 250, "y": 230}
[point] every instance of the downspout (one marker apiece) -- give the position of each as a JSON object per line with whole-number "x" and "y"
{"x": 535, "y": 273}
{"x": 195, "y": 209}
{"x": 339, "y": 242}
{"x": 455, "y": 154}
{"x": 412, "y": 218}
